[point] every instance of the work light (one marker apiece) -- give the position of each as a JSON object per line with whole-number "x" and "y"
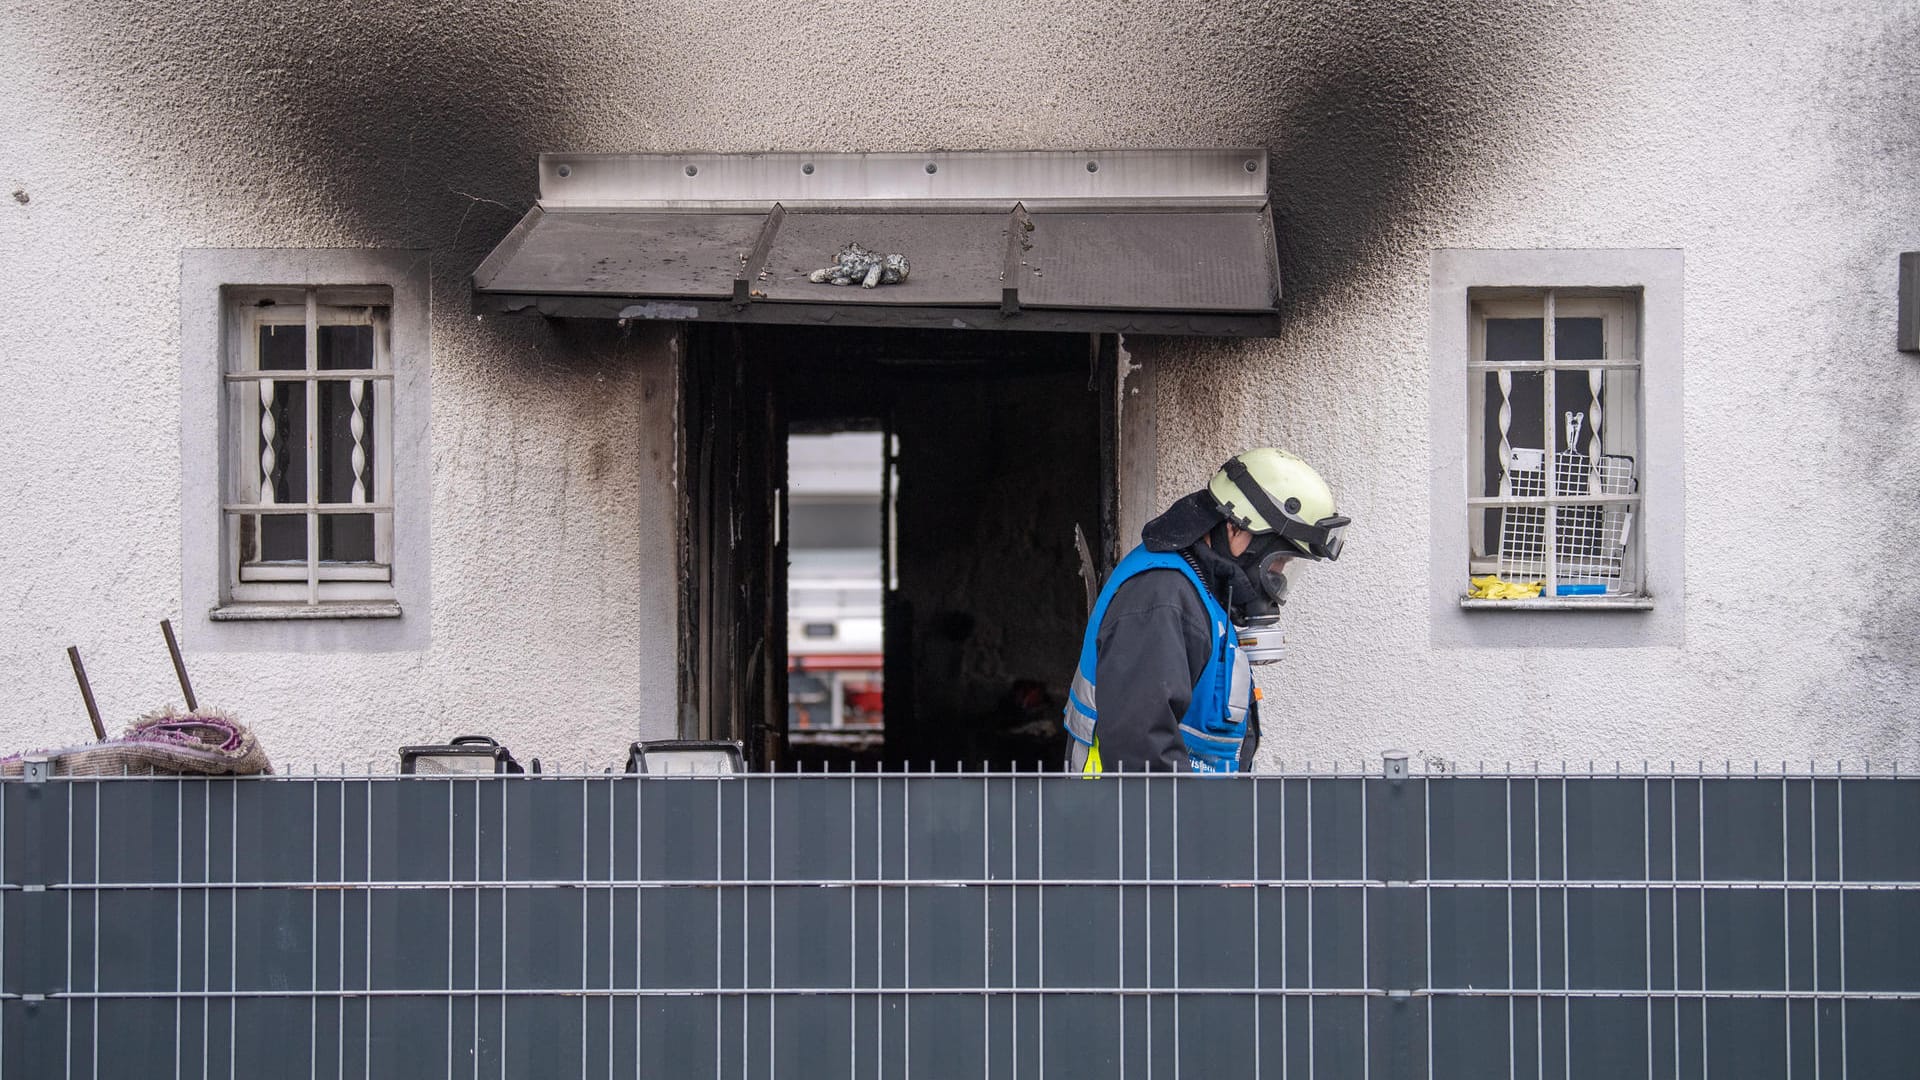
{"x": 465, "y": 755}
{"x": 685, "y": 757}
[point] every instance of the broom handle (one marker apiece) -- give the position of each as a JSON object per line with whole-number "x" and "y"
{"x": 179, "y": 665}
{"x": 86, "y": 692}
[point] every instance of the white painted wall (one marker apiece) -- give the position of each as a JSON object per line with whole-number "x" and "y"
{"x": 838, "y": 464}
{"x": 1775, "y": 145}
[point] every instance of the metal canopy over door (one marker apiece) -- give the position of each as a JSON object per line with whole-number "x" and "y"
{"x": 1146, "y": 241}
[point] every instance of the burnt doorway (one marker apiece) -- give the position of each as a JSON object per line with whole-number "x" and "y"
{"x": 990, "y": 452}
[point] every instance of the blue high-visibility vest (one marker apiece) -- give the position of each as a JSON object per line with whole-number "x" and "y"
{"x": 1215, "y": 723}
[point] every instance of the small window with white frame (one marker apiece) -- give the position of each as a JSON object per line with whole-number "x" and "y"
{"x": 308, "y": 513}
{"x": 1555, "y": 510}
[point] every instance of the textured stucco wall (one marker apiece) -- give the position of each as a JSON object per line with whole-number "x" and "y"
{"x": 1777, "y": 147}
{"x": 1774, "y": 143}
{"x": 136, "y": 133}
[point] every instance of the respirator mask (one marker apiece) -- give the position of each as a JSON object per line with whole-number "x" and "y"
{"x": 1265, "y": 565}
{"x": 1258, "y": 620}
{"x": 1256, "y": 588}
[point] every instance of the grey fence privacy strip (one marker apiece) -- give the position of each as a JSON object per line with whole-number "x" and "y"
{"x": 945, "y": 925}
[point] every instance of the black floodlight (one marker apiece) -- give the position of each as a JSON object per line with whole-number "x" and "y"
{"x": 685, "y": 757}
{"x": 465, "y": 755}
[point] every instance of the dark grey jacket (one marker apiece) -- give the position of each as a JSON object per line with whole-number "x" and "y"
{"x": 1151, "y": 648}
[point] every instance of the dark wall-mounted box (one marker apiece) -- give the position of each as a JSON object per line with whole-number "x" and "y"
{"x": 1910, "y": 301}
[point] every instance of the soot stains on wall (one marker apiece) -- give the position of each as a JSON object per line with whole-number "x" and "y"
{"x": 1874, "y": 131}
{"x": 388, "y": 125}
{"x": 1375, "y": 114}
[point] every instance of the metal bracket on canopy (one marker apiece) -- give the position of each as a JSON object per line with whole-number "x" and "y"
{"x": 755, "y": 261}
{"x": 1019, "y": 242}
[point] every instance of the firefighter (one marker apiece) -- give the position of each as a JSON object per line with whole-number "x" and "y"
{"x": 1163, "y": 682}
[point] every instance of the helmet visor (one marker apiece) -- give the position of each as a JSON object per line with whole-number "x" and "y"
{"x": 1334, "y": 537}
{"x": 1322, "y": 540}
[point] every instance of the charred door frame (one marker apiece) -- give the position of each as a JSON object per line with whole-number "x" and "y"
{"x": 732, "y": 488}
{"x": 733, "y": 467}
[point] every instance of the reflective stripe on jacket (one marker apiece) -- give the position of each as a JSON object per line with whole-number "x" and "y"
{"x": 1215, "y": 722}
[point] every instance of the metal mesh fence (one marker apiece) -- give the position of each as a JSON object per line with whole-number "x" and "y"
{"x": 950, "y": 925}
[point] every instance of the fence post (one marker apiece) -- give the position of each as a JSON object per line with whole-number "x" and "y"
{"x": 1399, "y": 919}
{"x": 35, "y": 930}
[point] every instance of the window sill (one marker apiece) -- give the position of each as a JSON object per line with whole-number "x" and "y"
{"x": 1561, "y": 603}
{"x": 290, "y": 612}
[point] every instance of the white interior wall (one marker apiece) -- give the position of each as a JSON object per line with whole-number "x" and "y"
{"x": 1775, "y": 146}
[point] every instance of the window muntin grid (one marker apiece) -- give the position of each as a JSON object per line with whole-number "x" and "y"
{"x": 309, "y": 408}
{"x": 1555, "y": 441}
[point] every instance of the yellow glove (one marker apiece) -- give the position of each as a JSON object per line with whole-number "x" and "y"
{"x": 1493, "y": 587}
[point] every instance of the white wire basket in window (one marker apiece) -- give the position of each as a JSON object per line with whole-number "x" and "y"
{"x": 1589, "y": 539}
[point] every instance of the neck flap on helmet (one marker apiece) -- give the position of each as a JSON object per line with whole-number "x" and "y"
{"x": 1250, "y": 586}
{"x": 1183, "y": 523}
